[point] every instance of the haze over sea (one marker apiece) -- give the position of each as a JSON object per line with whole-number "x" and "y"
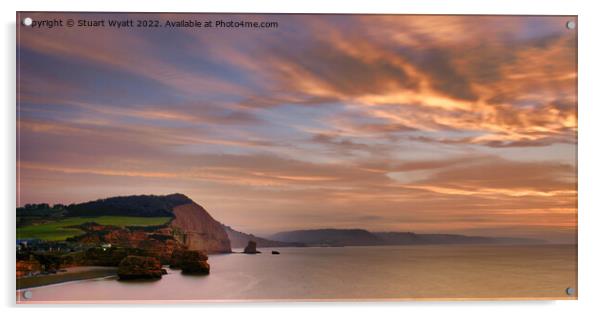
{"x": 361, "y": 273}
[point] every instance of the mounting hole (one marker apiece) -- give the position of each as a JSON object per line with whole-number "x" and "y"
{"x": 571, "y": 25}
{"x": 27, "y": 295}
{"x": 570, "y": 291}
{"x": 27, "y": 21}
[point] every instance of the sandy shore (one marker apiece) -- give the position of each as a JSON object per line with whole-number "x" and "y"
{"x": 71, "y": 274}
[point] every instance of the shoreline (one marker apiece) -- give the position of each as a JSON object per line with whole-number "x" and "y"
{"x": 408, "y": 273}
{"x": 81, "y": 273}
{"x": 72, "y": 274}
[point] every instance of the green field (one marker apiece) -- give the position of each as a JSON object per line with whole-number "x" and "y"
{"x": 54, "y": 231}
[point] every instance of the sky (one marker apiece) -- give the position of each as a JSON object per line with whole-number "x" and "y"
{"x": 439, "y": 124}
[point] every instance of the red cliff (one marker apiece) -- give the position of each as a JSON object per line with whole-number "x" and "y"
{"x": 197, "y": 230}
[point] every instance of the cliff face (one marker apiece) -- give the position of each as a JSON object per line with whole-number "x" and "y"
{"x": 197, "y": 230}
{"x": 191, "y": 227}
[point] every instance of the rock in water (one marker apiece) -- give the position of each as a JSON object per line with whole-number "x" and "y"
{"x": 251, "y": 248}
{"x": 196, "y": 267}
{"x": 190, "y": 261}
{"x": 138, "y": 267}
{"x": 274, "y": 252}
{"x": 179, "y": 257}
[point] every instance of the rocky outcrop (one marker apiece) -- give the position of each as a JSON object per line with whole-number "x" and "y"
{"x": 196, "y": 267}
{"x": 191, "y": 225}
{"x": 138, "y": 267}
{"x": 191, "y": 228}
{"x": 251, "y": 248}
{"x": 109, "y": 257}
{"x": 179, "y": 257}
{"x": 197, "y": 230}
{"x": 158, "y": 243}
{"x": 190, "y": 261}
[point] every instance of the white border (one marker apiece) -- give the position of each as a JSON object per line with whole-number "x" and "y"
{"x": 590, "y": 123}
{"x": 312, "y": 6}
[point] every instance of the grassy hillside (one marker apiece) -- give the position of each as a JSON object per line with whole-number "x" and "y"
{"x": 57, "y": 230}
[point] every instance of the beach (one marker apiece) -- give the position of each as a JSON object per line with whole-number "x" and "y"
{"x": 70, "y": 274}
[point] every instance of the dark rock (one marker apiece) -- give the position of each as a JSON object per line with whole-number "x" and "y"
{"x": 163, "y": 271}
{"x": 274, "y": 252}
{"x": 179, "y": 257}
{"x": 195, "y": 267}
{"x": 251, "y": 248}
{"x": 190, "y": 261}
{"x": 138, "y": 267}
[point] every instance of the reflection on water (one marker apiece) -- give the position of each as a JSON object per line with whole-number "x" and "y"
{"x": 396, "y": 272}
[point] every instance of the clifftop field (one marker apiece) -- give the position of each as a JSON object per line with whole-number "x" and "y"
{"x": 58, "y": 222}
{"x": 61, "y": 229}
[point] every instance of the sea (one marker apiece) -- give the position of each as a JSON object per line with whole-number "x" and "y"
{"x": 426, "y": 272}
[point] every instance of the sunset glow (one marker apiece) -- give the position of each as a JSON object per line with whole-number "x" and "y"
{"x": 446, "y": 124}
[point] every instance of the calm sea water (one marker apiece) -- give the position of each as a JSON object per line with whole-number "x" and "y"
{"x": 395, "y": 272}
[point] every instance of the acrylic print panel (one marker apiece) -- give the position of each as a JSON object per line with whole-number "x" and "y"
{"x": 228, "y": 157}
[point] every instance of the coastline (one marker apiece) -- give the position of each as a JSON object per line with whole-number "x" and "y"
{"x": 410, "y": 272}
{"x": 80, "y": 273}
{"x": 72, "y": 274}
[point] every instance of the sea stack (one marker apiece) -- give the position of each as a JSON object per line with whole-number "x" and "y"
{"x": 251, "y": 248}
{"x": 190, "y": 261}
